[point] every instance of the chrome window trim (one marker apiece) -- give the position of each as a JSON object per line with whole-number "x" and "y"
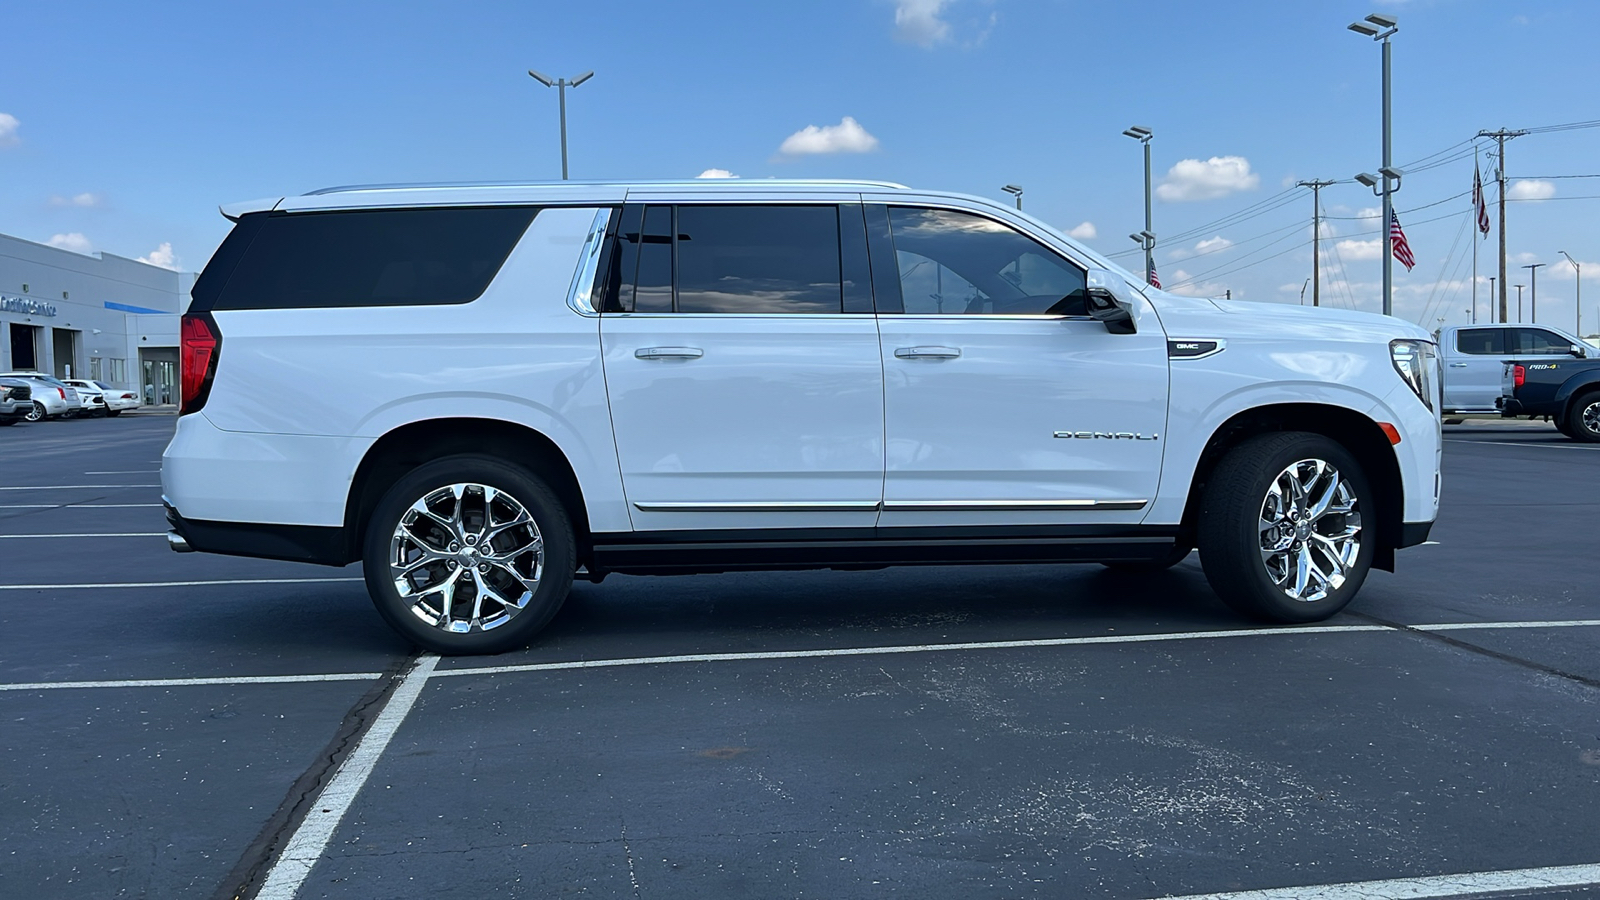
{"x": 580, "y": 296}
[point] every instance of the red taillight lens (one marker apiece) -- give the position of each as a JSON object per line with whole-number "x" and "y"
{"x": 201, "y": 344}
{"x": 1518, "y": 375}
{"x": 62, "y": 392}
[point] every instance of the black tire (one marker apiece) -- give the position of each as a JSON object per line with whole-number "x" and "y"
{"x": 1237, "y": 497}
{"x": 1583, "y": 419}
{"x": 1176, "y": 555}
{"x": 38, "y": 413}
{"x": 549, "y": 517}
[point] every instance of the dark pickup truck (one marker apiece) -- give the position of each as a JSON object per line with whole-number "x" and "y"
{"x": 1567, "y": 392}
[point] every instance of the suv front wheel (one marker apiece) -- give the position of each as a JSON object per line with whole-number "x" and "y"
{"x": 468, "y": 554}
{"x": 1281, "y": 532}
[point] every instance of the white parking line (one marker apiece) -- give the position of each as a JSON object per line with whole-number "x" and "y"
{"x": 100, "y": 535}
{"x": 189, "y": 682}
{"x": 1471, "y": 884}
{"x": 305, "y": 847}
{"x": 132, "y": 472}
{"x": 80, "y": 506}
{"x": 1522, "y": 444}
{"x": 1468, "y": 626}
{"x": 73, "y": 487}
{"x": 152, "y": 584}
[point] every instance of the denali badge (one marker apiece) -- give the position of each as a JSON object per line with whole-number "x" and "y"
{"x": 1108, "y": 436}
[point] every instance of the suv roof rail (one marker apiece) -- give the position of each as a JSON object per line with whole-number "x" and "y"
{"x": 764, "y": 182}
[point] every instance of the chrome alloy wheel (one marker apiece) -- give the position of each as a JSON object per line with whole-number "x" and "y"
{"x": 1589, "y": 418}
{"x": 1310, "y": 530}
{"x": 466, "y": 557}
{"x": 35, "y": 412}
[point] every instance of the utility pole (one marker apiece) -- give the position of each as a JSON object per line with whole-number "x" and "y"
{"x": 1533, "y": 292}
{"x": 1500, "y": 138}
{"x": 1577, "y": 295}
{"x": 561, "y": 85}
{"x": 1519, "y": 304}
{"x": 1316, "y": 237}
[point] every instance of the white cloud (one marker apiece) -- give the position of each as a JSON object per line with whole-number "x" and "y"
{"x": 8, "y": 130}
{"x": 846, "y": 137}
{"x": 1199, "y": 289}
{"x": 1373, "y": 213}
{"x": 74, "y": 241}
{"x": 1590, "y": 270}
{"x": 716, "y": 173}
{"x": 161, "y": 256}
{"x": 1219, "y": 176}
{"x": 917, "y": 22}
{"x": 1084, "y": 232}
{"x": 1531, "y": 189}
{"x": 1212, "y": 245}
{"x": 1353, "y": 251}
{"x": 1524, "y": 258}
{"x": 85, "y": 199}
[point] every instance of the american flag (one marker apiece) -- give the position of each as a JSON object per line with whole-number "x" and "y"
{"x": 1152, "y": 277}
{"x": 1397, "y": 237}
{"x": 1477, "y": 200}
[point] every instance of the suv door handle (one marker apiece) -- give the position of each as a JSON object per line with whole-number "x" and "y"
{"x": 669, "y": 353}
{"x": 927, "y": 353}
{"x": 1458, "y": 365}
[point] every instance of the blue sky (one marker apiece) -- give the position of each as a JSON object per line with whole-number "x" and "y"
{"x": 122, "y": 126}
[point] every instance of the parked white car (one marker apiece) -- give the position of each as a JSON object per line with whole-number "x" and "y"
{"x": 106, "y": 399}
{"x": 1473, "y": 357}
{"x": 539, "y": 381}
{"x": 51, "y": 397}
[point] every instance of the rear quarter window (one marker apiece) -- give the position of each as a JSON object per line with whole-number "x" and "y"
{"x": 384, "y": 257}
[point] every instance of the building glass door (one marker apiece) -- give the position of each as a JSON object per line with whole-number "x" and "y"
{"x": 160, "y": 381}
{"x": 24, "y": 348}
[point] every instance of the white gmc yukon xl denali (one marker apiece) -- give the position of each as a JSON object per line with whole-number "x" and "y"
{"x": 482, "y": 392}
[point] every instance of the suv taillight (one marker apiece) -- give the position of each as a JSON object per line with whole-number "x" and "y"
{"x": 1518, "y": 376}
{"x": 62, "y": 392}
{"x": 201, "y": 345}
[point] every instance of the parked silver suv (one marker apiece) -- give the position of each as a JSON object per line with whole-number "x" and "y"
{"x": 51, "y": 397}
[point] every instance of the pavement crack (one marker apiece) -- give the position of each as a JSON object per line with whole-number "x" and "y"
{"x": 627, "y": 851}
{"x": 1470, "y": 647}
{"x": 249, "y": 873}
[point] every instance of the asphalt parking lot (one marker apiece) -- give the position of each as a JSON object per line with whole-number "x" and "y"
{"x": 198, "y": 726}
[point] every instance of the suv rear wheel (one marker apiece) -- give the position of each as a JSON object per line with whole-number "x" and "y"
{"x": 468, "y": 554}
{"x": 1281, "y": 534}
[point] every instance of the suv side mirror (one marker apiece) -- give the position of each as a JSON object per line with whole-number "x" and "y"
{"x": 1577, "y": 351}
{"x": 1111, "y": 302}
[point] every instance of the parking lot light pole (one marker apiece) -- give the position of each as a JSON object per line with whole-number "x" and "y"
{"x": 1577, "y": 295}
{"x": 1519, "y": 288}
{"x": 1533, "y": 292}
{"x": 561, "y": 85}
{"x": 1381, "y": 28}
{"x": 1017, "y": 190}
{"x": 1143, "y": 136}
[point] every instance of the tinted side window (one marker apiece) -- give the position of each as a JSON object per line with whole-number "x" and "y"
{"x": 957, "y": 263}
{"x": 1539, "y": 341}
{"x": 388, "y": 257}
{"x": 1481, "y": 341}
{"x": 759, "y": 259}
{"x": 653, "y": 286}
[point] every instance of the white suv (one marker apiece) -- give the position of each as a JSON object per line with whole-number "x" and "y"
{"x": 543, "y": 381}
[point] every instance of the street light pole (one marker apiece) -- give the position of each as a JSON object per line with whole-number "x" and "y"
{"x": 1577, "y": 295}
{"x": 1519, "y": 302}
{"x": 1015, "y": 189}
{"x": 1533, "y": 292}
{"x": 1143, "y": 136}
{"x": 1381, "y": 28}
{"x": 561, "y": 85}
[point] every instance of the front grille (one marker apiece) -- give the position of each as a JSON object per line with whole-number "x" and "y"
{"x": 19, "y": 392}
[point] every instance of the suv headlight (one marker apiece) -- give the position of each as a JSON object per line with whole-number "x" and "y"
{"x": 1418, "y": 365}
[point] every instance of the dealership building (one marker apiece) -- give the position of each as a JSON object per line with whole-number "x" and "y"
{"x": 101, "y": 317}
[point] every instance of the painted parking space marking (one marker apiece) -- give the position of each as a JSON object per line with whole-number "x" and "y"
{"x": 133, "y": 472}
{"x": 107, "y": 534}
{"x": 812, "y": 654}
{"x": 158, "y": 584}
{"x": 189, "y": 682}
{"x": 1471, "y": 884}
{"x": 80, "y": 506}
{"x": 73, "y": 487}
{"x": 1522, "y": 444}
{"x": 309, "y": 841}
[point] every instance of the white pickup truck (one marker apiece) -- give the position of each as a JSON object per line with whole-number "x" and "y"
{"x": 1473, "y": 355}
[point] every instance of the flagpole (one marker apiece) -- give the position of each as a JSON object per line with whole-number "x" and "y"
{"x": 1476, "y": 182}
